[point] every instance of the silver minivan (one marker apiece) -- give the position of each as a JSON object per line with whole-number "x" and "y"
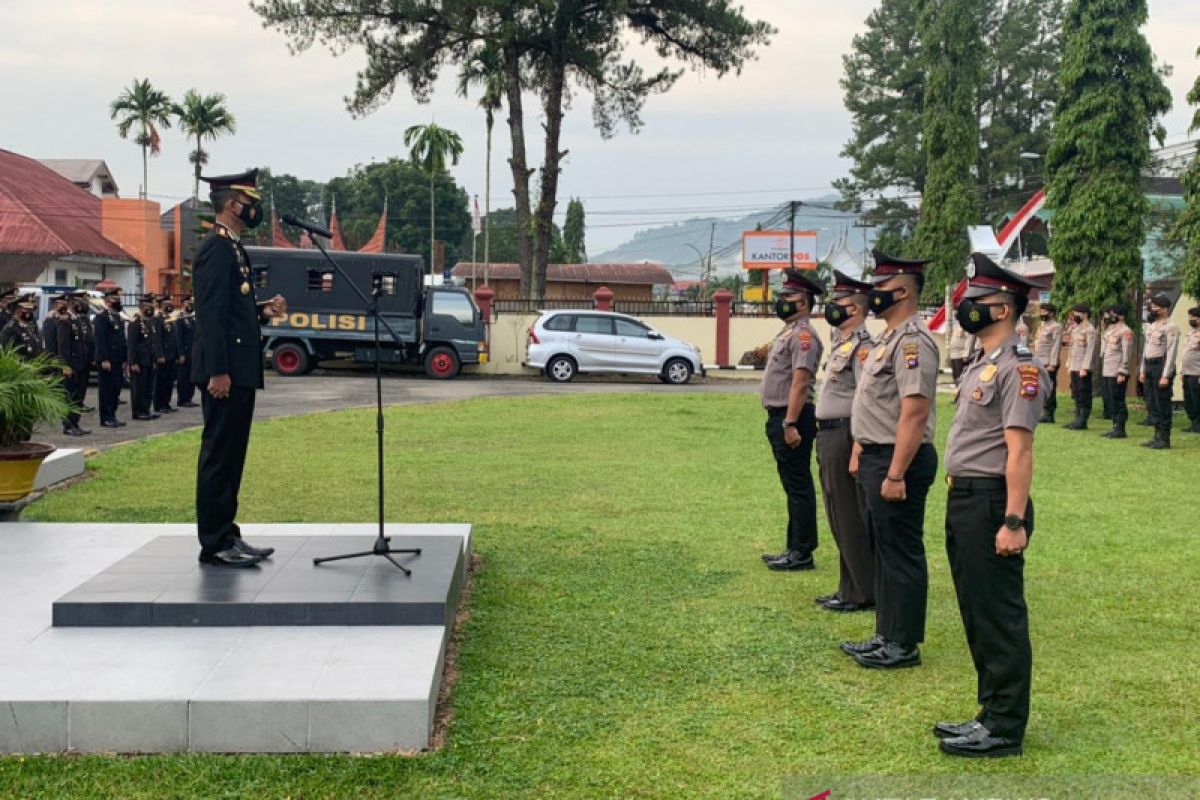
{"x": 563, "y": 344}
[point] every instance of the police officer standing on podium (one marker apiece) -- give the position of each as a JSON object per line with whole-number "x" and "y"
{"x": 787, "y": 391}
{"x": 227, "y": 364}
{"x": 849, "y": 346}
{"x": 893, "y": 421}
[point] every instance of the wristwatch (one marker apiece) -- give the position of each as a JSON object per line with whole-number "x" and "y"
{"x": 1013, "y": 522}
{"x": 792, "y": 424}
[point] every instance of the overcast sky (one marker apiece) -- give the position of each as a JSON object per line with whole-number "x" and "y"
{"x": 715, "y": 147}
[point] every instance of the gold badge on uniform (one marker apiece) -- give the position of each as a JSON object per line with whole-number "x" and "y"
{"x": 977, "y": 395}
{"x": 879, "y": 352}
{"x": 245, "y": 288}
{"x": 846, "y": 348}
{"x": 989, "y": 374}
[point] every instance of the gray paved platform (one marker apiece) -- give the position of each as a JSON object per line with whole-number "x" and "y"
{"x": 162, "y": 584}
{"x": 260, "y": 689}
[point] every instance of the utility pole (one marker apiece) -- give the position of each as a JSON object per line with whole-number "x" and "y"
{"x": 708, "y": 270}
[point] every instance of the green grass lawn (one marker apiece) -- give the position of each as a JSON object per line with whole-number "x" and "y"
{"x": 626, "y": 641}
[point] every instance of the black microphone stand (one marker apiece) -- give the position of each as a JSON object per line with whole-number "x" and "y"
{"x": 382, "y": 547}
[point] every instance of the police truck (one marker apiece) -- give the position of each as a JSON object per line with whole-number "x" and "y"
{"x": 437, "y": 327}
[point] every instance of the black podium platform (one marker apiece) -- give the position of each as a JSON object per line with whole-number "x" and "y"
{"x": 162, "y": 584}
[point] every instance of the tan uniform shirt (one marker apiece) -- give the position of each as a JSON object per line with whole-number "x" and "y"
{"x": 1162, "y": 341}
{"x": 1049, "y": 343}
{"x": 1117, "y": 350}
{"x": 1191, "y": 353}
{"x": 903, "y": 364}
{"x": 1023, "y": 333}
{"x": 1003, "y": 389}
{"x": 1083, "y": 348}
{"x": 847, "y": 353}
{"x": 796, "y": 347}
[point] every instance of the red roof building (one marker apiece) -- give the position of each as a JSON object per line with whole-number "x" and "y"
{"x": 630, "y": 282}
{"x": 51, "y": 230}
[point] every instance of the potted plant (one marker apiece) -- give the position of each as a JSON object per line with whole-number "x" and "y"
{"x": 30, "y": 393}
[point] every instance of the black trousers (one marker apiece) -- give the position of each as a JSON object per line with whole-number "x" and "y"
{"x": 956, "y": 367}
{"x": 1191, "y": 398}
{"x": 1106, "y": 409}
{"x": 1052, "y": 401}
{"x": 1158, "y": 398}
{"x": 76, "y": 387}
{"x": 164, "y": 384}
{"x": 111, "y": 382}
{"x": 795, "y": 473}
{"x": 1081, "y": 390}
{"x": 856, "y": 554}
{"x": 897, "y": 532}
{"x": 1116, "y": 403}
{"x": 219, "y": 468}
{"x": 141, "y": 388}
{"x": 991, "y": 600}
{"x": 185, "y": 389}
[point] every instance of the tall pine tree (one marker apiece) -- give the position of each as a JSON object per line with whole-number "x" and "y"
{"x": 1186, "y": 229}
{"x": 952, "y": 45}
{"x": 1111, "y": 97}
{"x": 574, "y": 233}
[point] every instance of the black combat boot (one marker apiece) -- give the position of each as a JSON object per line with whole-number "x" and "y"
{"x": 1118, "y": 431}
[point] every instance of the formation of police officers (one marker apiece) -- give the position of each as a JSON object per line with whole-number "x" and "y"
{"x": 872, "y": 425}
{"x": 151, "y": 348}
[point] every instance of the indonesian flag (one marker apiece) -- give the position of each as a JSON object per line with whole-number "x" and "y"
{"x": 476, "y": 220}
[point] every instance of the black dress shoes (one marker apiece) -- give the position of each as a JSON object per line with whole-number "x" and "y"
{"x": 980, "y": 743}
{"x": 890, "y": 655}
{"x": 844, "y": 606}
{"x": 112, "y": 423}
{"x": 948, "y": 730}
{"x": 855, "y": 648}
{"x": 88, "y": 409}
{"x": 240, "y": 545}
{"x": 825, "y": 598}
{"x": 769, "y": 557}
{"x": 188, "y": 404}
{"x": 791, "y": 561}
{"x": 165, "y": 410}
{"x": 77, "y": 431}
{"x": 145, "y": 417}
{"x": 229, "y": 558}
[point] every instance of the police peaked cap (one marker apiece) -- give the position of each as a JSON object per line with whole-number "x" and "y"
{"x": 845, "y": 286}
{"x": 27, "y": 300}
{"x": 985, "y": 277}
{"x": 887, "y": 267}
{"x": 245, "y": 182}
{"x": 795, "y": 280}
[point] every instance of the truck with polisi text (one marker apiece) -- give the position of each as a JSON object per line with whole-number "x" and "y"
{"x": 438, "y": 327}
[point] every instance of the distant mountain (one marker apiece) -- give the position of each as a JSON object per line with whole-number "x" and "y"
{"x": 669, "y": 244}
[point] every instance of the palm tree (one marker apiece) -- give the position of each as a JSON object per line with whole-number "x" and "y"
{"x": 486, "y": 70}
{"x": 428, "y": 146}
{"x": 149, "y": 109}
{"x": 205, "y": 117}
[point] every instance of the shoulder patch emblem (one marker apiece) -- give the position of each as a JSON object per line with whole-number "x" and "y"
{"x": 863, "y": 352}
{"x": 912, "y": 355}
{"x": 1030, "y": 380}
{"x": 805, "y": 340}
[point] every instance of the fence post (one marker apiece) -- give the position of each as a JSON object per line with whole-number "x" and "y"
{"x": 724, "y": 300}
{"x": 603, "y": 298}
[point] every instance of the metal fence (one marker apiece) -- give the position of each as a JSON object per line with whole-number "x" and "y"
{"x": 642, "y": 308}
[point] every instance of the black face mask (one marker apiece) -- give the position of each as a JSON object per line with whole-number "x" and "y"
{"x": 1195, "y": 323}
{"x": 251, "y": 214}
{"x": 80, "y": 308}
{"x": 147, "y": 312}
{"x": 785, "y": 309}
{"x": 115, "y": 305}
{"x": 27, "y": 316}
{"x": 835, "y": 315}
{"x": 1151, "y": 316}
{"x": 188, "y": 308}
{"x": 882, "y": 299}
{"x": 1077, "y": 318}
{"x": 972, "y": 316}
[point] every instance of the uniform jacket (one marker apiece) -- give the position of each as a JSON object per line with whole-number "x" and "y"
{"x": 23, "y": 336}
{"x": 228, "y": 321}
{"x": 143, "y": 342}
{"x": 185, "y": 335}
{"x": 110, "y": 339}
{"x": 50, "y": 334}
{"x": 167, "y": 336}
{"x": 72, "y": 346}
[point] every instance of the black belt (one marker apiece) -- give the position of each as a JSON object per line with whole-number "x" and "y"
{"x": 976, "y": 484}
{"x": 833, "y": 424}
{"x": 878, "y": 448}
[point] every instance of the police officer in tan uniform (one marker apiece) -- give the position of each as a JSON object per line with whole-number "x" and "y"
{"x": 1082, "y": 363}
{"x": 787, "y": 389}
{"x": 989, "y": 514}
{"x": 1116, "y": 360}
{"x": 1157, "y": 372}
{"x": 849, "y": 347}
{"x": 1190, "y": 369}
{"x": 893, "y": 421}
{"x": 1048, "y": 348}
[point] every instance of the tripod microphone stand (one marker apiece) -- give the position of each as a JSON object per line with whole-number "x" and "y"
{"x": 382, "y": 547}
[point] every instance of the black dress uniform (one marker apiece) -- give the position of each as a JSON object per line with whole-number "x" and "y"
{"x": 8, "y": 299}
{"x": 185, "y": 336}
{"x": 228, "y": 342}
{"x": 1001, "y": 390}
{"x": 164, "y": 373}
{"x": 21, "y": 333}
{"x": 75, "y": 351}
{"x": 50, "y": 326}
{"x": 111, "y": 349}
{"x": 145, "y": 348}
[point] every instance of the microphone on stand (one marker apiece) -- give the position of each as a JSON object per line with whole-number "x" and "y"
{"x": 315, "y": 230}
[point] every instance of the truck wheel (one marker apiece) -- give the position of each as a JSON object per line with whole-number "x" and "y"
{"x": 561, "y": 369}
{"x": 441, "y": 363}
{"x": 290, "y": 360}
{"x": 677, "y": 371}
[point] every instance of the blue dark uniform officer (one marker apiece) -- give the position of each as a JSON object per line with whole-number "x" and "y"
{"x": 185, "y": 334}
{"x": 989, "y": 513}
{"x": 227, "y": 365}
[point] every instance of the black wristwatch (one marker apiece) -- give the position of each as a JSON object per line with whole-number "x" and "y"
{"x": 1013, "y": 522}
{"x": 792, "y": 424}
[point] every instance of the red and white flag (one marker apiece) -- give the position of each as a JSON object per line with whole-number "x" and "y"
{"x": 476, "y": 220}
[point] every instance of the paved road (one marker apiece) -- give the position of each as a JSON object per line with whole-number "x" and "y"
{"x": 330, "y": 390}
